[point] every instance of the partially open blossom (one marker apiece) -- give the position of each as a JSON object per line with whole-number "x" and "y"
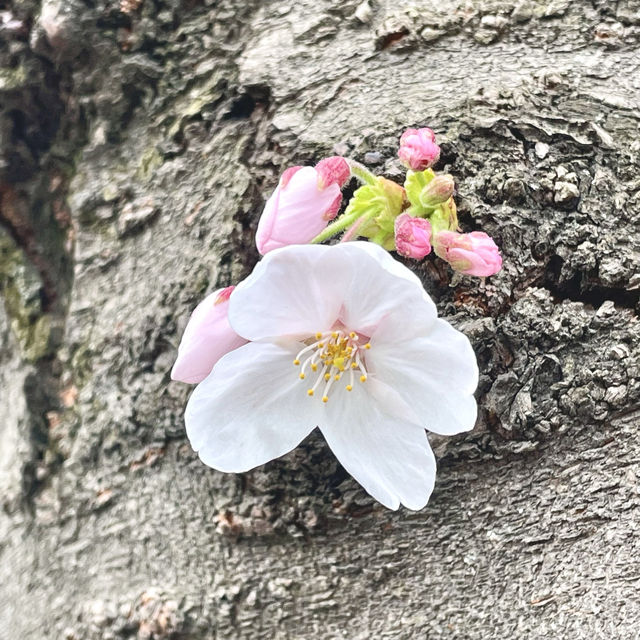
{"x": 206, "y": 338}
{"x": 474, "y": 254}
{"x": 343, "y": 338}
{"x": 304, "y": 201}
{"x": 418, "y": 149}
{"x": 412, "y": 236}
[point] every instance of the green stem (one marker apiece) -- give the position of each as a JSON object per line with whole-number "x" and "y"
{"x": 334, "y": 228}
{"x": 352, "y": 231}
{"x": 362, "y": 173}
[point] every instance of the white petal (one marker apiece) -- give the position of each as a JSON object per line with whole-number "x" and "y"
{"x": 252, "y": 408}
{"x": 391, "y": 458}
{"x": 435, "y": 373}
{"x": 384, "y": 259}
{"x": 295, "y": 290}
{"x": 378, "y": 286}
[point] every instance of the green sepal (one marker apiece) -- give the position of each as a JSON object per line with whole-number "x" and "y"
{"x": 414, "y": 183}
{"x": 379, "y": 204}
{"x": 444, "y": 217}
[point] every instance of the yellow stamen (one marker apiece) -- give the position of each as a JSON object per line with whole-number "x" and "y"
{"x": 330, "y": 355}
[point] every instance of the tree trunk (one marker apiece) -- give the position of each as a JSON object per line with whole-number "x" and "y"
{"x": 140, "y": 139}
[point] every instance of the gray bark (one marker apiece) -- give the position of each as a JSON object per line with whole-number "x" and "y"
{"x": 139, "y": 141}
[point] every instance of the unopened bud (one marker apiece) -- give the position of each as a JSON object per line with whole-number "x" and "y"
{"x": 418, "y": 149}
{"x": 412, "y": 236}
{"x": 474, "y": 254}
{"x": 439, "y": 190}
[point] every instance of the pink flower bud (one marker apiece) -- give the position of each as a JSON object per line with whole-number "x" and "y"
{"x": 439, "y": 190}
{"x": 412, "y": 236}
{"x": 474, "y": 254}
{"x": 207, "y": 337}
{"x": 334, "y": 169}
{"x": 299, "y": 208}
{"x": 418, "y": 149}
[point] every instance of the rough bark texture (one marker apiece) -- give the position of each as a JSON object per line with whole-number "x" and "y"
{"x": 139, "y": 140}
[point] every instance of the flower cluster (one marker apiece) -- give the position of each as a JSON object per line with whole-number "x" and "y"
{"x": 342, "y": 337}
{"x": 410, "y": 219}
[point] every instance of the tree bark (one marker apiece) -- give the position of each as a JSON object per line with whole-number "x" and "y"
{"x": 140, "y": 139}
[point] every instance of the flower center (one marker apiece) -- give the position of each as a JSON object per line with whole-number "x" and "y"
{"x": 332, "y": 355}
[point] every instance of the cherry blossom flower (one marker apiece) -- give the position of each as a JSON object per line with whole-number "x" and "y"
{"x": 418, "y": 149}
{"x": 207, "y": 337}
{"x": 304, "y": 201}
{"x": 343, "y": 338}
{"x": 474, "y": 254}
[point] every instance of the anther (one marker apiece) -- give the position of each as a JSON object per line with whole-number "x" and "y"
{"x": 330, "y": 356}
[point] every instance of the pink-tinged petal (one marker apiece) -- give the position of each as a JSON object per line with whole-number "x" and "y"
{"x": 251, "y": 409}
{"x": 333, "y": 209}
{"x": 207, "y": 337}
{"x": 390, "y": 457}
{"x": 418, "y": 149}
{"x": 296, "y": 211}
{"x": 333, "y": 170}
{"x": 288, "y": 174}
{"x": 431, "y": 365}
{"x": 412, "y": 236}
{"x": 296, "y": 290}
